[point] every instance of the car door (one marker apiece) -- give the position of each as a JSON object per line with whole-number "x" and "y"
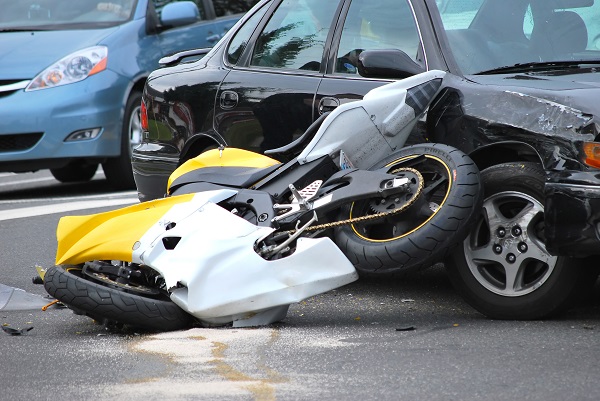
{"x": 366, "y": 25}
{"x": 266, "y": 99}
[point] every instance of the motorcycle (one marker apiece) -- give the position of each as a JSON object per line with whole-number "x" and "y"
{"x": 243, "y": 235}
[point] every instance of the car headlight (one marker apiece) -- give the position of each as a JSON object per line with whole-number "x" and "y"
{"x": 73, "y": 68}
{"x": 591, "y": 154}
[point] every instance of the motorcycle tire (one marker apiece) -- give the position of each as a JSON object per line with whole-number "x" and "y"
{"x": 111, "y": 305}
{"x": 503, "y": 269}
{"x": 419, "y": 236}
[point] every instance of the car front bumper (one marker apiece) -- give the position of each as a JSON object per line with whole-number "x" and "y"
{"x": 572, "y": 214}
{"x": 48, "y": 116}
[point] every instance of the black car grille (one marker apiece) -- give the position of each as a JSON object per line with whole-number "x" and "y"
{"x": 13, "y": 143}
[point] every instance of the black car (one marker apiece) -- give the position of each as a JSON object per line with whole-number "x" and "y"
{"x": 521, "y": 98}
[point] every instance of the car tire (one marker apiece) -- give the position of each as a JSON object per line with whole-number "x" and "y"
{"x": 503, "y": 269}
{"x": 118, "y": 170}
{"x": 75, "y": 171}
{"x": 426, "y": 232}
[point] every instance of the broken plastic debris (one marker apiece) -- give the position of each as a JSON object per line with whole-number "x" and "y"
{"x": 16, "y": 332}
{"x": 407, "y": 328}
{"x": 45, "y": 307}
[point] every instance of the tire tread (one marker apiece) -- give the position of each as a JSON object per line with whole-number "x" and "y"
{"x": 97, "y": 300}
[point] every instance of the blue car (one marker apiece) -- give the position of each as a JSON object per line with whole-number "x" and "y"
{"x": 72, "y": 75}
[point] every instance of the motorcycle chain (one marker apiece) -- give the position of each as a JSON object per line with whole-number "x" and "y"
{"x": 376, "y": 215}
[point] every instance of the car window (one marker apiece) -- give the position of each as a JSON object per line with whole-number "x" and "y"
{"x": 61, "y": 14}
{"x": 294, "y": 37}
{"x": 376, "y": 24}
{"x": 589, "y": 12}
{"x": 458, "y": 14}
{"x": 229, "y": 7}
{"x": 486, "y": 35}
{"x": 240, "y": 39}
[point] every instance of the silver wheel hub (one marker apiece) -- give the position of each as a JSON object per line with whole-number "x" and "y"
{"x": 505, "y": 251}
{"x": 135, "y": 127}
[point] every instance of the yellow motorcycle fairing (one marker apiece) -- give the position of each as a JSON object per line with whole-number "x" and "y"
{"x": 109, "y": 235}
{"x": 227, "y": 157}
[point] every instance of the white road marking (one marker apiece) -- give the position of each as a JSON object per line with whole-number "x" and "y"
{"x": 68, "y": 198}
{"x": 63, "y": 207}
{"x": 30, "y": 181}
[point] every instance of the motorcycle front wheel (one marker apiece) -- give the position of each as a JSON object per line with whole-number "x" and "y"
{"x": 426, "y": 231}
{"x": 112, "y": 304}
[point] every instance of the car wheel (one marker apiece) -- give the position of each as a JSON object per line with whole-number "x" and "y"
{"x": 75, "y": 171}
{"x": 118, "y": 170}
{"x": 503, "y": 268}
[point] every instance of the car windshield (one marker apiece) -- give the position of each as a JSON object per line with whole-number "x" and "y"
{"x": 23, "y": 15}
{"x": 487, "y": 36}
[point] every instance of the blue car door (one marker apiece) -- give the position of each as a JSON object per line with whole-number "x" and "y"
{"x": 204, "y": 33}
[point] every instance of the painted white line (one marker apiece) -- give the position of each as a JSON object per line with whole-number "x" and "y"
{"x": 62, "y": 207}
{"x": 69, "y": 198}
{"x": 6, "y": 184}
{"x": 99, "y": 175}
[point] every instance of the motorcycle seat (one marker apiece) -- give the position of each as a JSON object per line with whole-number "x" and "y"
{"x": 294, "y": 148}
{"x": 228, "y": 176}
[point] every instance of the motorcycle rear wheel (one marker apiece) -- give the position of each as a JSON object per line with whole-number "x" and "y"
{"x": 112, "y": 305}
{"x": 428, "y": 230}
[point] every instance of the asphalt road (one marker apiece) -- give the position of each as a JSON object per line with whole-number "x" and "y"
{"x": 377, "y": 339}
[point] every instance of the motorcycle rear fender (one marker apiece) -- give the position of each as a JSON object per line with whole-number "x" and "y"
{"x": 116, "y": 234}
{"x": 381, "y": 121}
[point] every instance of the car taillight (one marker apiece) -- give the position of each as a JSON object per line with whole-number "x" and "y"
{"x": 144, "y": 116}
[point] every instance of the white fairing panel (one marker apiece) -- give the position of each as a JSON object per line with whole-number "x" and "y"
{"x": 380, "y": 123}
{"x": 214, "y": 273}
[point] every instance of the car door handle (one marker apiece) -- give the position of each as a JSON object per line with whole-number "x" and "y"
{"x": 328, "y": 104}
{"x": 228, "y": 99}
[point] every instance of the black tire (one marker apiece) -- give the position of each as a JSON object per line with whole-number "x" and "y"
{"x": 427, "y": 234}
{"x": 118, "y": 170}
{"x": 77, "y": 171}
{"x": 108, "y": 304}
{"x": 534, "y": 284}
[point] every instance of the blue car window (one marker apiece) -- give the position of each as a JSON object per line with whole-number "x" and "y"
{"x": 376, "y": 24}
{"x": 230, "y": 7}
{"x": 294, "y": 37}
{"x": 61, "y": 14}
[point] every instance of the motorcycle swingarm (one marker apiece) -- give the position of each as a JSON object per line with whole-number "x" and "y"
{"x": 348, "y": 186}
{"x": 260, "y": 202}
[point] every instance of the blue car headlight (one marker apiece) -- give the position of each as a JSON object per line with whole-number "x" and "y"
{"x": 73, "y": 68}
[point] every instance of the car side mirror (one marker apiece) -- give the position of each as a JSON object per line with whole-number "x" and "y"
{"x": 387, "y": 63}
{"x": 179, "y": 13}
